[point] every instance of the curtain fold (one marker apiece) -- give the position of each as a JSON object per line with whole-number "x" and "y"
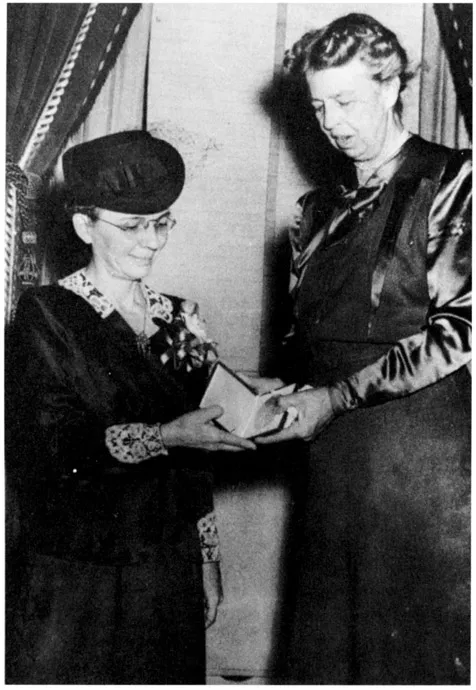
{"x": 441, "y": 117}
{"x": 120, "y": 105}
{"x": 39, "y": 39}
{"x": 455, "y": 22}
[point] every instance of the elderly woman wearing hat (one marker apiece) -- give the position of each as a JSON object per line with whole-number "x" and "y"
{"x": 115, "y": 494}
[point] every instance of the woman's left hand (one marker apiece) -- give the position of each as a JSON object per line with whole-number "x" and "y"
{"x": 212, "y": 591}
{"x": 196, "y": 430}
{"x": 313, "y": 411}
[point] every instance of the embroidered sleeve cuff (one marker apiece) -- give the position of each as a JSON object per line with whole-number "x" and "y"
{"x": 342, "y": 398}
{"x": 136, "y": 442}
{"x": 209, "y": 540}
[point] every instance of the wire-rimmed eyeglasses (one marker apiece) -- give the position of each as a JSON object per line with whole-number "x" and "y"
{"x": 162, "y": 225}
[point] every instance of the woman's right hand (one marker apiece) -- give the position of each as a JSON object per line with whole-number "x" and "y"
{"x": 196, "y": 430}
{"x": 313, "y": 411}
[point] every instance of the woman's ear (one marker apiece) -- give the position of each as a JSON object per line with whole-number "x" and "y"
{"x": 391, "y": 91}
{"x": 83, "y": 226}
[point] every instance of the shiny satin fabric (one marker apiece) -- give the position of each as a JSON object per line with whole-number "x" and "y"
{"x": 433, "y": 194}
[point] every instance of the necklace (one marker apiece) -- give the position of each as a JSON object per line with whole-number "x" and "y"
{"x": 142, "y": 340}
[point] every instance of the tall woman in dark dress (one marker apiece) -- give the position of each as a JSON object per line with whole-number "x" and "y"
{"x": 382, "y": 334}
{"x": 116, "y": 510}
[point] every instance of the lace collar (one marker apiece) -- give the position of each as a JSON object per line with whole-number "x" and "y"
{"x": 159, "y": 306}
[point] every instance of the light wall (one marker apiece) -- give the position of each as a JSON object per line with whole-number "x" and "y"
{"x": 208, "y": 66}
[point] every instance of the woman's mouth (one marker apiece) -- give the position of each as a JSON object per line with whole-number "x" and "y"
{"x": 343, "y": 142}
{"x": 142, "y": 260}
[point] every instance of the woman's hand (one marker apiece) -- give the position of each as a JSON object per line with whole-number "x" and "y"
{"x": 259, "y": 384}
{"x": 196, "y": 430}
{"x": 212, "y": 591}
{"x": 313, "y": 411}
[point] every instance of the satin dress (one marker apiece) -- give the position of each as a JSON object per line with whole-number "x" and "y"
{"x": 380, "y": 591}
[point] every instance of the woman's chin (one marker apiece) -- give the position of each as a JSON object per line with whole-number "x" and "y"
{"x": 139, "y": 268}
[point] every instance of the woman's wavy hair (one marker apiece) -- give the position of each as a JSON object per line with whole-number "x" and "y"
{"x": 354, "y": 35}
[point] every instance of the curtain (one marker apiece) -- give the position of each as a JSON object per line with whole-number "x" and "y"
{"x": 120, "y": 105}
{"x": 56, "y": 77}
{"x": 455, "y": 22}
{"x": 39, "y": 38}
{"x": 58, "y": 57}
{"x": 442, "y": 104}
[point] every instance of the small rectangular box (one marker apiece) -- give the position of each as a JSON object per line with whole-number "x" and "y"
{"x": 246, "y": 413}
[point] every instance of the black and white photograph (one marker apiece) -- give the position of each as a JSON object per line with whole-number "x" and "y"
{"x": 237, "y": 350}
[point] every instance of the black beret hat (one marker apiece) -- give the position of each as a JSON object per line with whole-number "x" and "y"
{"x": 129, "y": 172}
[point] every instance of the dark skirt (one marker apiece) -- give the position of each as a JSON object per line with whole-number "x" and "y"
{"x": 82, "y": 623}
{"x": 382, "y": 581}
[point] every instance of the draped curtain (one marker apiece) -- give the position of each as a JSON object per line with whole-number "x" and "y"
{"x": 455, "y": 22}
{"x": 121, "y": 102}
{"x": 446, "y": 86}
{"x": 39, "y": 39}
{"x": 58, "y": 57}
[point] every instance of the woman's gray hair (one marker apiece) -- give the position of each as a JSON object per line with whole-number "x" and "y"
{"x": 354, "y": 35}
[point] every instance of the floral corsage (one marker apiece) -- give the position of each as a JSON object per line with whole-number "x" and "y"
{"x": 189, "y": 348}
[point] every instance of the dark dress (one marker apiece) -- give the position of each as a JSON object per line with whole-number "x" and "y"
{"x": 382, "y": 583}
{"x": 105, "y": 583}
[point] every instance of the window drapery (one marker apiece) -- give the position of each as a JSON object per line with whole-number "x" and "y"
{"x": 39, "y": 38}
{"x": 455, "y": 21}
{"x": 58, "y": 57}
{"x": 121, "y": 103}
{"x": 444, "y": 113}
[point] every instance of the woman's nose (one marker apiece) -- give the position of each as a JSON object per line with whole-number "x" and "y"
{"x": 331, "y": 116}
{"x": 151, "y": 238}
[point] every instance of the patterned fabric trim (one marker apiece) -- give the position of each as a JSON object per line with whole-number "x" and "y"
{"x": 159, "y": 306}
{"x": 135, "y": 442}
{"x": 80, "y": 285}
{"x": 209, "y": 539}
